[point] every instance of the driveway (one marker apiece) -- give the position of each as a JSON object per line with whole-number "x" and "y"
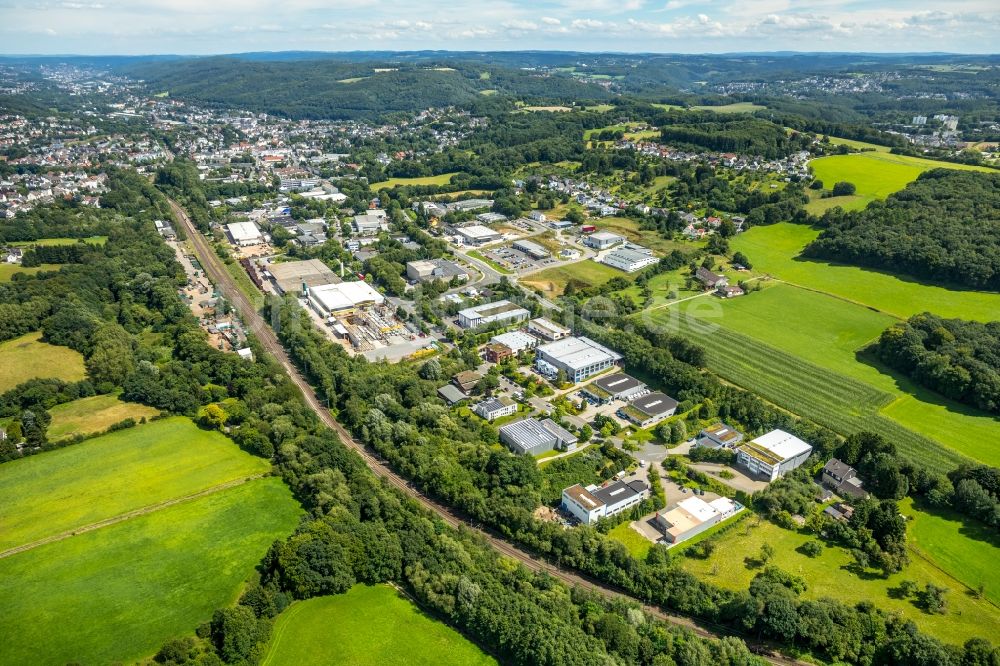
{"x": 740, "y": 480}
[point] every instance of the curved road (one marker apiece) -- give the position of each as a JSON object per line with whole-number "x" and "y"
{"x": 224, "y": 282}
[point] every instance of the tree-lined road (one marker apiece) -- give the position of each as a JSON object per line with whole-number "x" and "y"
{"x": 226, "y": 285}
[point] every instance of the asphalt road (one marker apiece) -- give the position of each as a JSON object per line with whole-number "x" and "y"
{"x": 225, "y": 283}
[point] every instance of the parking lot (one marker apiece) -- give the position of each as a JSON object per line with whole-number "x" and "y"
{"x": 516, "y": 260}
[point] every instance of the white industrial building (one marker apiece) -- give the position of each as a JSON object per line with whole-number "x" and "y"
{"x": 602, "y": 240}
{"x": 629, "y": 260}
{"x": 693, "y": 516}
{"x": 547, "y": 329}
{"x": 488, "y": 313}
{"x": 434, "y": 269}
{"x": 590, "y": 504}
{"x": 516, "y": 341}
{"x": 477, "y": 234}
{"x": 773, "y": 454}
{"x": 343, "y": 298}
{"x": 371, "y": 223}
{"x": 579, "y": 357}
{"x": 244, "y": 233}
{"x": 495, "y": 408}
{"x": 532, "y": 249}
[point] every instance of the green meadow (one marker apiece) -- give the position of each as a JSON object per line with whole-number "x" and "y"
{"x": 587, "y": 273}
{"x": 116, "y": 594}
{"x": 366, "y": 626}
{"x": 833, "y": 574}
{"x": 442, "y": 179}
{"x": 27, "y": 357}
{"x": 94, "y": 414}
{"x": 58, "y": 491}
{"x": 93, "y": 240}
{"x": 775, "y": 250}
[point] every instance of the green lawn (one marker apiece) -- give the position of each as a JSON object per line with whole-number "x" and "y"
{"x": 830, "y": 575}
{"x": 94, "y": 414}
{"x": 27, "y": 358}
{"x": 57, "y": 491}
{"x": 7, "y": 271}
{"x": 877, "y": 174}
{"x": 735, "y": 107}
{"x": 818, "y": 205}
{"x": 828, "y": 332}
{"x": 859, "y": 145}
{"x": 93, "y": 240}
{"x": 586, "y": 273}
{"x": 367, "y": 625}
{"x": 775, "y": 249}
{"x": 117, "y": 594}
{"x": 637, "y": 544}
{"x": 964, "y": 549}
{"x": 442, "y": 179}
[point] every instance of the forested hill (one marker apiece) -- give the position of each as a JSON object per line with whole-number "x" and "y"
{"x": 327, "y": 89}
{"x": 945, "y": 226}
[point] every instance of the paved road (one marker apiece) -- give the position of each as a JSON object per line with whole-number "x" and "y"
{"x": 225, "y": 283}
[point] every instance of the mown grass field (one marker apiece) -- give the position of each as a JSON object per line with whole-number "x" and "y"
{"x": 94, "y": 414}
{"x": 586, "y": 273}
{"x": 877, "y": 174}
{"x": 775, "y": 249}
{"x": 367, "y": 625}
{"x": 442, "y": 179}
{"x": 965, "y": 549}
{"x": 735, "y": 107}
{"x": 117, "y": 594}
{"x": 829, "y": 332}
{"x": 81, "y": 484}
{"x": 93, "y": 240}
{"x": 7, "y": 271}
{"x": 27, "y": 357}
{"x": 637, "y": 544}
{"x": 859, "y": 145}
{"x": 839, "y": 402}
{"x": 831, "y": 575}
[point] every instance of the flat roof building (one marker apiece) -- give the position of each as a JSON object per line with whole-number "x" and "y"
{"x": 616, "y": 386}
{"x": 495, "y": 408}
{"x": 602, "y": 240}
{"x": 649, "y": 409}
{"x": 629, "y": 260}
{"x": 499, "y": 311}
{"x": 370, "y": 223}
{"x": 336, "y": 299}
{"x": 693, "y": 516}
{"x": 719, "y": 436}
{"x": 772, "y": 455}
{"x": 477, "y": 234}
{"x": 532, "y": 249}
{"x": 531, "y": 436}
{"x": 516, "y": 341}
{"x": 590, "y": 504}
{"x": 244, "y": 233}
{"x": 434, "y": 269}
{"x": 294, "y": 276}
{"x": 579, "y": 357}
{"x": 547, "y": 329}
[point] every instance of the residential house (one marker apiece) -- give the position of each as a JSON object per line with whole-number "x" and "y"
{"x": 843, "y": 479}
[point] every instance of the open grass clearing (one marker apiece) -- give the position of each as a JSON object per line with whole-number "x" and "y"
{"x": 49, "y": 242}
{"x": 586, "y": 273}
{"x": 877, "y": 174}
{"x": 964, "y": 548}
{"x": 7, "y": 271}
{"x": 27, "y": 357}
{"x": 829, "y": 332}
{"x": 441, "y": 179}
{"x": 818, "y": 204}
{"x": 775, "y": 249}
{"x": 544, "y": 108}
{"x": 832, "y": 575}
{"x": 95, "y": 414}
{"x": 600, "y": 108}
{"x": 636, "y": 544}
{"x": 859, "y": 145}
{"x": 735, "y": 107}
{"x": 366, "y": 625}
{"x": 57, "y": 491}
{"x": 117, "y": 594}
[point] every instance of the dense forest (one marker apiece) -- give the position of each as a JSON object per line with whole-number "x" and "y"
{"x": 746, "y": 136}
{"x": 958, "y": 359}
{"x": 945, "y": 227}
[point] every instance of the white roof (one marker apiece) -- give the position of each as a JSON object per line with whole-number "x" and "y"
{"x": 783, "y": 444}
{"x": 516, "y": 340}
{"x": 333, "y": 297}
{"x": 699, "y": 509}
{"x": 606, "y": 236}
{"x": 579, "y": 352}
{"x": 240, "y": 231}
{"x": 723, "y": 505}
{"x": 478, "y": 231}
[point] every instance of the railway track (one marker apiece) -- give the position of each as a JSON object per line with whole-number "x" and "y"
{"x": 226, "y": 285}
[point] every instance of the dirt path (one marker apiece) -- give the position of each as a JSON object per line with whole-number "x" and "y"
{"x": 114, "y": 520}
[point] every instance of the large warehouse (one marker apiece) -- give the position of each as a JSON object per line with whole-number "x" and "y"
{"x": 337, "y": 299}
{"x": 244, "y": 233}
{"x": 531, "y": 436}
{"x": 293, "y": 276}
{"x": 629, "y": 260}
{"x": 488, "y": 313}
{"x": 477, "y": 234}
{"x": 578, "y": 357}
{"x": 772, "y": 455}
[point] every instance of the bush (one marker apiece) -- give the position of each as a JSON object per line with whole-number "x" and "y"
{"x": 843, "y": 189}
{"x": 812, "y": 548}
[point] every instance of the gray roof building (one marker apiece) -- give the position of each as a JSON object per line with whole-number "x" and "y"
{"x": 649, "y": 409}
{"x": 531, "y": 436}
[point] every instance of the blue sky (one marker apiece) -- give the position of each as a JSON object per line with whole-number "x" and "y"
{"x": 688, "y": 26}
